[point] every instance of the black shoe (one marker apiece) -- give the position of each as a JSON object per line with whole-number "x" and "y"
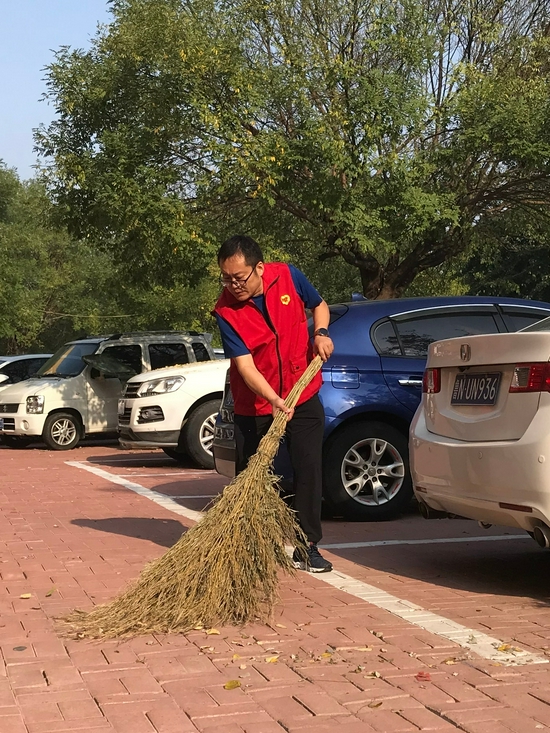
{"x": 310, "y": 559}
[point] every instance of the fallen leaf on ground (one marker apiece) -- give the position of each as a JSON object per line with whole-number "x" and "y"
{"x": 280, "y": 626}
{"x": 242, "y": 666}
{"x": 212, "y": 632}
{"x": 232, "y": 685}
{"x": 451, "y": 660}
{"x": 326, "y": 655}
{"x": 504, "y": 648}
{"x": 25, "y": 595}
{"x": 50, "y": 592}
{"x": 374, "y": 704}
{"x": 271, "y": 660}
{"x": 423, "y": 676}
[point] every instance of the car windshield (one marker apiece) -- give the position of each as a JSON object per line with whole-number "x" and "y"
{"x": 543, "y": 325}
{"x": 67, "y": 361}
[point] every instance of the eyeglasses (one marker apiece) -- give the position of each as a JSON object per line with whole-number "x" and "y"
{"x": 238, "y": 282}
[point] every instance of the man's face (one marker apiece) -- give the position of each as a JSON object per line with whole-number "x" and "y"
{"x": 243, "y": 281}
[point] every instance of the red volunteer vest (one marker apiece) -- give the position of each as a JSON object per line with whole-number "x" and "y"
{"x": 281, "y": 353}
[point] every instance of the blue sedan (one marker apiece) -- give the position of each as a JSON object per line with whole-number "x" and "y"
{"x": 371, "y": 388}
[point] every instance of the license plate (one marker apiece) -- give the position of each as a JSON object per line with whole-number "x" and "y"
{"x": 121, "y": 405}
{"x": 476, "y": 389}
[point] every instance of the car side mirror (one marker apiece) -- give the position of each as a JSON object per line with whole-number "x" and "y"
{"x": 94, "y": 373}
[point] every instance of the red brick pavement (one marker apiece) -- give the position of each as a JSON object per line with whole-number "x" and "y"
{"x": 71, "y": 539}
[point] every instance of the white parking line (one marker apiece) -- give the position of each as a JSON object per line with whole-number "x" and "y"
{"x": 161, "y": 499}
{"x": 195, "y": 496}
{"x": 481, "y": 644}
{"x": 442, "y": 541}
{"x": 191, "y": 474}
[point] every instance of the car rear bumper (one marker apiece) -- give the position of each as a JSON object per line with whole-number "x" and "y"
{"x": 501, "y": 482}
{"x": 224, "y": 459}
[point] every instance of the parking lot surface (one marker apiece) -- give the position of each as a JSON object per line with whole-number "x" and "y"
{"x": 423, "y": 625}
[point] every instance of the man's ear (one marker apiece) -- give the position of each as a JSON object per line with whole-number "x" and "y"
{"x": 260, "y": 268}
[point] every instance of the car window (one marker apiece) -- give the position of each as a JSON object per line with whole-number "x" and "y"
{"x": 543, "y": 325}
{"x": 201, "y": 352}
{"x": 516, "y": 318}
{"x": 386, "y": 341}
{"x": 33, "y": 365}
{"x": 17, "y": 371}
{"x": 67, "y": 362}
{"x": 166, "y": 355}
{"x": 129, "y": 355}
{"x": 336, "y": 312}
{"x": 416, "y": 334}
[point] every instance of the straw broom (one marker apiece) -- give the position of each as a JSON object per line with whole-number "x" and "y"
{"x": 224, "y": 569}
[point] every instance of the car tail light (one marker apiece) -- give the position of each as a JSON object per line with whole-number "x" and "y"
{"x": 533, "y": 377}
{"x": 432, "y": 381}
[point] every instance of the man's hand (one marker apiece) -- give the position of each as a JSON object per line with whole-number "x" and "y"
{"x": 279, "y": 404}
{"x": 323, "y": 346}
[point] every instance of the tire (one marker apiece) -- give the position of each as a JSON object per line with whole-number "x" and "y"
{"x": 198, "y": 433}
{"x": 12, "y": 441}
{"x": 176, "y": 455}
{"x": 358, "y": 482}
{"x": 61, "y": 431}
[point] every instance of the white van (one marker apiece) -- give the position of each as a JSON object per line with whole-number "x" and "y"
{"x": 76, "y": 391}
{"x": 174, "y": 409}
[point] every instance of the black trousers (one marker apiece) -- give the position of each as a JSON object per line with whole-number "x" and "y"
{"x": 304, "y": 436}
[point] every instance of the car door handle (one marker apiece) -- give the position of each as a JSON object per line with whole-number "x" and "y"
{"x": 410, "y": 382}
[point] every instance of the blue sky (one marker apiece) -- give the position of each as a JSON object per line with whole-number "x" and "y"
{"x": 30, "y": 30}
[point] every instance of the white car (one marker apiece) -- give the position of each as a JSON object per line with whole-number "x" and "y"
{"x": 480, "y": 439}
{"x": 14, "y": 369}
{"x": 174, "y": 409}
{"x": 76, "y": 392}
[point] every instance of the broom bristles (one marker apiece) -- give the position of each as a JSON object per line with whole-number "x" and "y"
{"x": 222, "y": 570}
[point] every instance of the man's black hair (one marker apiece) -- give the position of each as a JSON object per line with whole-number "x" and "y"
{"x": 240, "y": 244}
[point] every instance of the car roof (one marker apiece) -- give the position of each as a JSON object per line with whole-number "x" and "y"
{"x": 18, "y": 357}
{"x": 143, "y": 337}
{"x": 401, "y": 306}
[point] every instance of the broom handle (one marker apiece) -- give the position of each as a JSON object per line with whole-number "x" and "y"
{"x": 278, "y": 426}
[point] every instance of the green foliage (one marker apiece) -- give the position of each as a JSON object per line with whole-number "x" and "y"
{"x": 510, "y": 257}
{"x": 382, "y": 134}
{"x": 55, "y": 287}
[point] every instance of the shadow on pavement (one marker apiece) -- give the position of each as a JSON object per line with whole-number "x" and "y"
{"x": 164, "y": 532}
{"x": 137, "y": 459}
{"x": 514, "y": 568}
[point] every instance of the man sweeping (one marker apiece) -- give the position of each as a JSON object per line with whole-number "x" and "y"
{"x": 262, "y": 320}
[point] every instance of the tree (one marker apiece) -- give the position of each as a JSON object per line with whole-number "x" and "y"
{"x": 382, "y": 133}
{"x": 55, "y": 287}
{"x": 509, "y": 257}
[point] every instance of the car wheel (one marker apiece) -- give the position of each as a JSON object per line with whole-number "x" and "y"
{"x": 176, "y": 455}
{"x": 61, "y": 431}
{"x": 13, "y": 441}
{"x": 366, "y": 472}
{"x": 198, "y": 433}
